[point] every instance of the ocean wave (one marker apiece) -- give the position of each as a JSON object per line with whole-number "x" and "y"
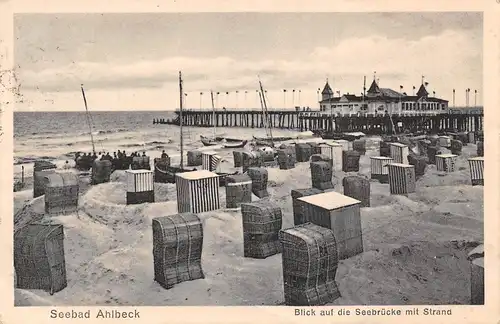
{"x": 55, "y": 134}
{"x": 32, "y": 159}
{"x": 131, "y": 145}
{"x": 155, "y": 144}
{"x": 52, "y": 135}
{"x": 109, "y": 131}
{"x": 72, "y": 143}
{"x": 159, "y": 142}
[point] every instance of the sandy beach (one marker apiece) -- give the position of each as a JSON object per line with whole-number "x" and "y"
{"x": 158, "y": 80}
{"x": 415, "y": 247}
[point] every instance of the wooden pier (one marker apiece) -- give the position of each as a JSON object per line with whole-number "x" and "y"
{"x": 465, "y": 120}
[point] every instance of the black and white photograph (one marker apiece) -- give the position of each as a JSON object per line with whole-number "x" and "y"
{"x": 248, "y": 159}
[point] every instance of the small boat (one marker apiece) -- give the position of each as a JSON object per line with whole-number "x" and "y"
{"x": 214, "y": 140}
{"x": 353, "y": 136}
{"x": 275, "y": 139}
{"x": 333, "y": 136}
{"x": 263, "y": 142}
{"x": 206, "y": 141}
{"x": 228, "y": 139}
{"x": 235, "y": 144}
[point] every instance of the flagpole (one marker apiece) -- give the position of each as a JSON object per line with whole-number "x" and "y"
{"x": 88, "y": 119}
{"x": 181, "y": 106}
{"x": 400, "y": 100}
{"x": 213, "y": 113}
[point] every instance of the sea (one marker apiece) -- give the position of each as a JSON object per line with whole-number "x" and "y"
{"x": 57, "y": 136}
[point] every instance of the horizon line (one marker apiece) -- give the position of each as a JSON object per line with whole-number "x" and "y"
{"x": 195, "y": 109}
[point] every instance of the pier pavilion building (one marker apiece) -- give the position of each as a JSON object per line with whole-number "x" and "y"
{"x": 379, "y": 101}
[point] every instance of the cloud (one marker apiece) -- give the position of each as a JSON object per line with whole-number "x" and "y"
{"x": 450, "y": 59}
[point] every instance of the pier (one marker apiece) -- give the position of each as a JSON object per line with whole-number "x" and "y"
{"x": 452, "y": 119}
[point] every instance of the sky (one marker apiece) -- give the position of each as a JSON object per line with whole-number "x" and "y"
{"x": 130, "y": 61}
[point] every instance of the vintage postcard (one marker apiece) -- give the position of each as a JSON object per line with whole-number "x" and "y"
{"x": 323, "y": 162}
